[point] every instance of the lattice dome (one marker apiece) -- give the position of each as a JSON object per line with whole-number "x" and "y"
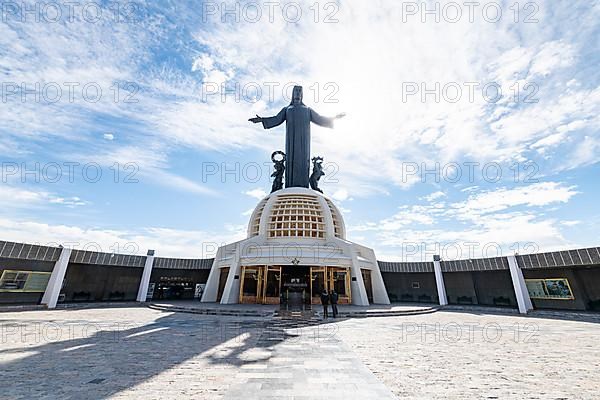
{"x": 296, "y": 213}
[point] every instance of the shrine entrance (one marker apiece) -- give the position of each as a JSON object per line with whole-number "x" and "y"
{"x": 296, "y": 287}
{"x": 293, "y": 286}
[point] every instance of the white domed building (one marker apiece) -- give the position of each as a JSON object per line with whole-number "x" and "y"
{"x": 296, "y": 247}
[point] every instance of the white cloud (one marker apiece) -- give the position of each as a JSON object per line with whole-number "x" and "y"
{"x": 257, "y": 193}
{"x": 549, "y": 115}
{"x": 69, "y": 202}
{"x": 586, "y": 152}
{"x": 570, "y": 223}
{"x": 501, "y": 234}
{"x": 547, "y": 142}
{"x": 166, "y": 242}
{"x": 552, "y": 56}
{"x": 407, "y": 216}
{"x": 434, "y": 196}
{"x": 344, "y": 210}
{"x": 109, "y": 136}
{"x": 535, "y": 195}
{"x": 340, "y": 195}
{"x": 509, "y": 219}
{"x": 13, "y": 197}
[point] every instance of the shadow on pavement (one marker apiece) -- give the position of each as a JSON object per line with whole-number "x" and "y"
{"x": 83, "y": 360}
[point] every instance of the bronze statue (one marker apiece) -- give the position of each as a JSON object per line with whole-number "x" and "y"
{"x": 297, "y": 141}
{"x": 279, "y": 166}
{"x": 317, "y": 173}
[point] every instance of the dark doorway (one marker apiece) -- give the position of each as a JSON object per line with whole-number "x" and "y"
{"x": 223, "y": 274}
{"x": 295, "y": 286}
{"x": 175, "y": 290}
{"x": 366, "y": 275}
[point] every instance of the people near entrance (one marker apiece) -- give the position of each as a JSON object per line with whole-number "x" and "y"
{"x": 325, "y": 302}
{"x": 333, "y": 299}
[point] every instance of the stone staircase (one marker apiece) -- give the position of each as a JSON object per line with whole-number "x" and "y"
{"x": 295, "y": 314}
{"x": 234, "y": 312}
{"x": 386, "y": 313}
{"x": 299, "y": 314}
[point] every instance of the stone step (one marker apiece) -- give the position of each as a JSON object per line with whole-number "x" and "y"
{"x": 383, "y": 313}
{"x": 294, "y": 314}
{"x": 18, "y": 308}
{"x": 304, "y": 315}
{"x": 211, "y": 311}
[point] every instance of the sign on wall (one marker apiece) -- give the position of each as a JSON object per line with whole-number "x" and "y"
{"x": 150, "y": 293}
{"x": 553, "y": 289}
{"x": 199, "y": 290}
{"x": 24, "y": 281}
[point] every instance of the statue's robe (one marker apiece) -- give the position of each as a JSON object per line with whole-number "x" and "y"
{"x": 297, "y": 140}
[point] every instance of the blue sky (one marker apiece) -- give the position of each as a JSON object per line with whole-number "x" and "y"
{"x": 420, "y": 95}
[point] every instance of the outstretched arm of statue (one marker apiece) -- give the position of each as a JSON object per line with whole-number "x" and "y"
{"x": 256, "y": 120}
{"x": 270, "y": 122}
{"x": 326, "y": 122}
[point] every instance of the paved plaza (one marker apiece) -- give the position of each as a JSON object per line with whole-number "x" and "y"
{"x": 141, "y": 353}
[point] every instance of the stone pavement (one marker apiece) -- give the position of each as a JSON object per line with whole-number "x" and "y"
{"x": 139, "y": 353}
{"x": 451, "y": 355}
{"x": 305, "y": 362}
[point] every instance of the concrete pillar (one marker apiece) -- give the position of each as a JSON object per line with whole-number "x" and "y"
{"x": 357, "y": 285}
{"x": 145, "y": 281}
{"x": 212, "y": 283}
{"x": 50, "y": 297}
{"x": 521, "y": 293}
{"x": 439, "y": 281}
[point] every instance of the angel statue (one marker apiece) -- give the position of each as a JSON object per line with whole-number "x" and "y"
{"x": 317, "y": 173}
{"x": 279, "y": 166}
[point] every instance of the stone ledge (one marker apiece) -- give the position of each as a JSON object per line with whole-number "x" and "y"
{"x": 211, "y": 311}
{"x": 243, "y": 310}
{"x": 27, "y": 307}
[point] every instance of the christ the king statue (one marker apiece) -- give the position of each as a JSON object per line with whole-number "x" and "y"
{"x": 297, "y": 139}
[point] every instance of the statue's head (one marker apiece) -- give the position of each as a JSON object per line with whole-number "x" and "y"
{"x": 297, "y": 95}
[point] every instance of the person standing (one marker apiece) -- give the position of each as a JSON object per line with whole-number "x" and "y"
{"x": 333, "y": 299}
{"x": 325, "y": 302}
